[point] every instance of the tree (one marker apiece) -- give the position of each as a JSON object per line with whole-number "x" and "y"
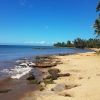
{"x": 91, "y": 43}
{"x": 79, "y": 43}
{"x": 98, "y": 7}
{"x": 69, "y": 44}
{"x": 60, "y": 44}
{"x": 97, "y": 21}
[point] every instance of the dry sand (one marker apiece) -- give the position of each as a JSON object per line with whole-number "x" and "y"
{"x": 84, "y": 81}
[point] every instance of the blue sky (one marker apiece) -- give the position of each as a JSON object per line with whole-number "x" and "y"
{"x": 46, "y": 21}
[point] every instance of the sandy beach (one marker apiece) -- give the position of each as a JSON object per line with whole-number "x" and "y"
{"x": 82, "y": 84}
{"x": 48, "y": 51}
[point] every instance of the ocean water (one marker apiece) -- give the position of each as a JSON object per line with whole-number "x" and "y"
{"x": 9, "y": 54}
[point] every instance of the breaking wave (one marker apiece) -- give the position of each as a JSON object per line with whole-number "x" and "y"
{"x": 17, "y": 72}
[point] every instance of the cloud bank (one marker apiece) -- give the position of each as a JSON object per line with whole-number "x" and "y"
{"x": 38, "y": 43}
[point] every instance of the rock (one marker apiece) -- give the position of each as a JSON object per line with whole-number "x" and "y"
{"x": 41, "y": 88}
{"x": 48, "y": 81}
{"x": 47, "y": 77}
{"x": 45, "y": 64}
{"x": 64, "y": 75}
{"x": 58, "y": 88}
{"x": 71, "y": 86}
{"x": 31, "y": 77}
{"x": 54, "y": 73}
{"x": 42, "y": 84}
{"x": 54, "y": 76}
{"x": 45, "y": 61}
{"x": 65, "y": 94}
{"x": 36, "y": 75}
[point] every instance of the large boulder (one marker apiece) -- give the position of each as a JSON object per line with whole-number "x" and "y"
{"x": 54, "y": 73}
{"x": 45, "y": 61}
{"x": 31, "y": 77}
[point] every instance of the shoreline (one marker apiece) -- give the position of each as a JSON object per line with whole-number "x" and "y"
{"x": 33, "y": 89}
{"x": 15, "y": 62}
{"x": 14, "y": 89}
{"x": 83, "y": 78}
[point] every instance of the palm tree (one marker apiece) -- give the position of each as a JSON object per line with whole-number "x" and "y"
{"x": 79, "y": 43}
{"x": 98, "y": 7}
{"x": 97, "y": 21}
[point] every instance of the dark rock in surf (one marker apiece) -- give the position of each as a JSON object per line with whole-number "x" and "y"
{"x": 31, "y": 77}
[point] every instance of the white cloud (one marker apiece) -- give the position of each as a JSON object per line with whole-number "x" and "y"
{"x": 38, "y": 43}
{"x": 42, "y": 42}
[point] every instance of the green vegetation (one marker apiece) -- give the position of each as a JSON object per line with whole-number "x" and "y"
{"x": 97, "y": 21}
{"x": 80, "y": 43}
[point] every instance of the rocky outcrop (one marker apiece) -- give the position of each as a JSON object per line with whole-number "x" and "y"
{"x": 45, "y": 61}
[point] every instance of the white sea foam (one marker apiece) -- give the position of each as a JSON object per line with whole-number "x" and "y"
{"x": 17, "y": 72}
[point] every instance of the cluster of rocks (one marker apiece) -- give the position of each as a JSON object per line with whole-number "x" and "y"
{"x": 40, "y": 62}
{"x": 45, "y": 77}
{"x": 46, "y": 61}
{"x": 43, "y": 71}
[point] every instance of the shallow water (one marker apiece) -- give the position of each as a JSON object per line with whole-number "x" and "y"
{"x": 9, "y": 54}
{"x": 12, "y": 52}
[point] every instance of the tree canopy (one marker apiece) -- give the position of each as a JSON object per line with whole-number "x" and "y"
{"x": 97, "y": 21}
{"x": 80, "y": 43}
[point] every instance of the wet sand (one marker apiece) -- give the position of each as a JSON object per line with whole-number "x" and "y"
{"x": 14, "y": 89}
